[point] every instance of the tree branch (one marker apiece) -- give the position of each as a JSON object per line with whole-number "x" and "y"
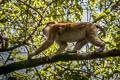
{"x": 98, "y": 19}
{"x": 21, "y": 43}
{"x": 2, "y": 2}
{"x": 55, "y": 58}
{"x": 31, "y": 7}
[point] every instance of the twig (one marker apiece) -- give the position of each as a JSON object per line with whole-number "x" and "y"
{"x": 2, "y": 2}
{"x": 38, "y": 73}
{"x": 34, "y": 67}
{"x": 98, "y": 19}
{"x": 30, "y": 7}
{"x": 7, "y": 59}
{"x": 12, "y": 48}
{"x": 39, "y": 23}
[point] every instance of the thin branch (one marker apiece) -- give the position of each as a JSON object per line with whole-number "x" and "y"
{"x": 34, "y": 67}
{"x": 98, "y": 19}
{"x": 55, "y": 58}
{"x": 39, "y": 23}
{"x": 2, "y": 2}
{"x": 115, "y": 6}
{"x": 38, "y": 73}
{"x": 7, "y": 59}
{"x": 12, "y": 48}
{"x": 31, "y": 7}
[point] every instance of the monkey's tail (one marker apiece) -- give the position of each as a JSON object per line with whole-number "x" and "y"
{"x": 101, "y": 29}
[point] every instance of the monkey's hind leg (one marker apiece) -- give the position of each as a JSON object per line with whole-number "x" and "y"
{"x": 97, "y": 42}
{"x": 78, "y": 46}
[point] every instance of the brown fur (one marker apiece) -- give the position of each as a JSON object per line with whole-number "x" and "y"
{"x": 62, "y": 33}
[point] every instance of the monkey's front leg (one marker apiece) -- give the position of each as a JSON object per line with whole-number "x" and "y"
{"x": 44, "y": 46}
{"x": 62, "y": 47}
{"x": 78, "y": 46}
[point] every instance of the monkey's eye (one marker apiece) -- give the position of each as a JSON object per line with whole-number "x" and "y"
{"x": 47, "y": 24}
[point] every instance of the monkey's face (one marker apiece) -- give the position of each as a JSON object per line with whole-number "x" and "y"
{"x": 46, "y": 30}
{"x": 47, "y": 27}
{"x": 51, "y": 22}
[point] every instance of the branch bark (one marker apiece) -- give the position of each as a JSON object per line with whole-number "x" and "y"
{"x": 55, "y": 58}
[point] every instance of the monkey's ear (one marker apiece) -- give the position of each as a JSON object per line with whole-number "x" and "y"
{"x": 51, "y": 22}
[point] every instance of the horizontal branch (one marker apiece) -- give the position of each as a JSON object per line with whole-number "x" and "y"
{"x": 55, "y": 58}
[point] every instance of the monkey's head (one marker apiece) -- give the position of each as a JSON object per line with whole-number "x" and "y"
{"x": 47, "y": 27}
{"x": 51, "y": 22}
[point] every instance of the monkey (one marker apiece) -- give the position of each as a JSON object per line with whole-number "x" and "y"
{"x": 62, "y": 33}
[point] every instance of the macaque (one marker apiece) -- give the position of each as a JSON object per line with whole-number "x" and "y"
{"x": 62, "y": 33}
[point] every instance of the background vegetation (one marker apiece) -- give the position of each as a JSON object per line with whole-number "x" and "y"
{"x": 21, "y": 23}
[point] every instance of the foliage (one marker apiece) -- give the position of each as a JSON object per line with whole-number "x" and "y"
{"x": 21, "y": 23}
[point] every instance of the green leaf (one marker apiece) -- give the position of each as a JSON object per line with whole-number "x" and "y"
{"x": 20, "y": 57}
{"x": 2, "y": 26}
{"x": 10, "y": 36}
{"x": 97, "y": 72}
{"x": 108, "y": 11}
{"x": 114, "y": 1}
{"x": 43, "y": 73}
{"x": 49, "y": 69}
{"x": 79, "y": 9}
{"x": 59, "y": 68}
